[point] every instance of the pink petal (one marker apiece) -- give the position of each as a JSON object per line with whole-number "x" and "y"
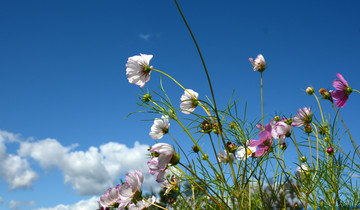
{"x": 338, "y": 84}
{"x": 342, "y": 79}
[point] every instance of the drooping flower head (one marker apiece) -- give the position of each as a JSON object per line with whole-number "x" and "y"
{"x": 160, "y": 127}
{"x": 302, "y": 170}
{"x": 130, "y": 190}
{"x": 259, "y": 63}
{"x": 341, "y": 95}
{"x": 110, "y": 198}
{"x": 303, "y": 117}
{"x": 138, "y": 69}
{"x": 189, "y": 101}
{"x": 162, "y": 155}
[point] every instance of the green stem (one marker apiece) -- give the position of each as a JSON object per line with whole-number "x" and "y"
{"x": 155, "y": 204}
{"x": 322, "y": 116}
{"x": 352, "y": 140}
{"x": 356, "y": 90}
{"x": 262, "y": 100}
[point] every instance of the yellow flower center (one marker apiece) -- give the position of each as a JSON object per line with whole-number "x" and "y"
{"x": 248, "y": 152}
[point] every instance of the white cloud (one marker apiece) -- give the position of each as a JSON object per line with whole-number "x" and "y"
{"x": 91, "y": 172}
{"x": 144, "y": 36}
{"x": 14, "y": 170}
{"x": 14, "y": 205}
{"x": 89, "y": 204}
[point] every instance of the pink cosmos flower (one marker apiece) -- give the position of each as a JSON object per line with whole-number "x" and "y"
{"x": 189, "y": 101}
{"x": 265, "y": 141}
{"x": 160, "y": 127}
{"x": 280, "y": 131}
{"x": 131, "y": 188}
{"x": 343, "y": 91}
{"x": 138, "y": 69}
{"x": 110, "y": 197}
{"x": 303, "y": 117}
{"x": 162, "y": 154}
{"x": 259, "y": 63}
{"x": 171, "y": 184}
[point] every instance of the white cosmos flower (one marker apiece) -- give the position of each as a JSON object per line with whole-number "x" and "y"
{"x": 189, "y": 101}
{"x": 160, "y": 127}
{"x": 138, "y": 69}
{"x": 243, "y": 152}
{"x": 259, "y": 63}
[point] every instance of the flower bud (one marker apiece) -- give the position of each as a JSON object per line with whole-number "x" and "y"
{"x": 196, "y": 148}
{"x": 310, "y": 90}
{"x": 206, "y": 127}
{"x": 326, "y": 139}
{"x": 323, "y": 131}
{"x": 283, "y": 146}
{"x": 205, "y": 157}
{"x": 330, "y": 150}
{"x": 277, "y": 118}
{"x": 303, "y": 159}
{"x": 232, "y": 147}
{"x": 232, "y": 125}
{"x": 326, "y": 95}
{"x": 259, "y": 126}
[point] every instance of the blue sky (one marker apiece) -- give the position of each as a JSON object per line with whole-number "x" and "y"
{"x": 63, "y": 82}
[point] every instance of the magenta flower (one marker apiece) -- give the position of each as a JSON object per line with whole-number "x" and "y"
{"x": 162, "y": 154}
{"x": 265, "y": 141}
{"x": 131, "y": 188}
{"x": 343, "y": 91}
{"x": 110, "y": 197}
{"x": 303, "y": 117}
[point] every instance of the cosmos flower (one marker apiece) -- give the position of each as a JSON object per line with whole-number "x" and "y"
{"x": 223, "y": 158}
{"x": 142, "y": 204}
{"x": 259, "y": 63}
{"x": 189, "y": 101}
{"x": 171, "y": 184}
{"x": 343, "y": 91}
{"x": 138, "y": 69}
{"x": 160, "y": 127}
{"x": 302, "y": 170}
{"x": 110, "y": 197}
{"x": 162, "y": 154}
{"x": 303, "y": 117}
{"x": 265, "y": 141}
{"x": 280, "y": 131}
{"x": 131, "y": 188}
{"x": 244, "y": 153}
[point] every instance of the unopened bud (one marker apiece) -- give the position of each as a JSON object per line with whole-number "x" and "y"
{"x": 196, "y": 148}
{"x": 206, "y": 126}
{"x": 232, "y": 147}
{"x": 283, "y": 146}
{"x": 326, "y": 139}
{"x": 325, "y": 94}
{"x": 303, "y": 159}
{"x": 310, "y": 90}
{"x": 277, "y": 118}
{"x": 330, "y": 150}
{"x": 205, "y": 157}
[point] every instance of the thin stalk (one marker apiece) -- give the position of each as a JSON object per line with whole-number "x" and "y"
{"x": 155, "y": 204}
{"x": 262, "y": 100}
{"x": 321, "y": 112}
{"x": 352, "y": 140}
{"x": 312, "y": 161}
